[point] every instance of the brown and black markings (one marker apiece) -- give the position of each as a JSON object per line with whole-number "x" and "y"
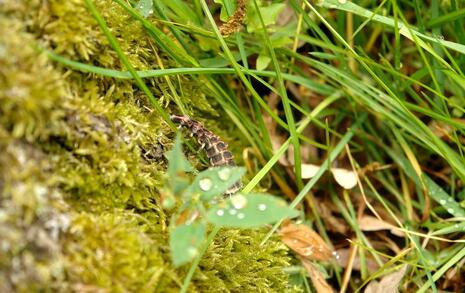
{"x": 215, "y": 148}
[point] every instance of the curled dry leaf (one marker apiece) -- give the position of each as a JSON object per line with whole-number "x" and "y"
{"x": 318, "y": 281}
{"x": 388, "y": 284}
{"x": 346, "y": 178}
{"x": 369, "y": 223}
{"x": 309, "y": 170}
{"x": 305, "y": 242}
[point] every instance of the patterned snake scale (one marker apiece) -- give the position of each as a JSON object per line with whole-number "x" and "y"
{"x": 216, "y": 149}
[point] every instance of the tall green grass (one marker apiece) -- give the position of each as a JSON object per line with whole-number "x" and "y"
{"x": 375, "y": 95}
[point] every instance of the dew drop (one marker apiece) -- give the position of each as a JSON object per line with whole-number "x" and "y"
{"x": 220, "y": 213}
{"x": 456, "y": 226}
{"x": 450, "y": 210}
{"x": 240, "y": 216}
{"x": 192, "y": 251}
{"x": 342, "y": 1}
{"x": 150, "y": 11}
{"x": 205, "y": 184}
{"x": 442, "y": 202}
{"x": 224, "y": 174}
{"x": 262, "y": 207}
{"x": 336, "y": 255}
{"x": 239, "y": 201}
{"x": 232, "y": 212}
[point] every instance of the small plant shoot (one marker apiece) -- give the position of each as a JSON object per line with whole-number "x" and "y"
{"x": 201, "y": 197}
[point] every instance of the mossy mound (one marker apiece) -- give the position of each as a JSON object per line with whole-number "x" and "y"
{"x": 81, "y": 160}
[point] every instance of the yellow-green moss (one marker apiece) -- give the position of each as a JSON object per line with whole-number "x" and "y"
{"x": 81, "y": 160}
{"x": 237, "y": 262}
{"x": 119, "y": 256}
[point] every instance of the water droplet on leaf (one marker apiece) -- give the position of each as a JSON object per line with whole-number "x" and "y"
{"x": 262, "y": 207}
{"x": 239, "y": 201}
{"x": 224, "y": 174}
{"x": 220, "y": 213}
{"x": 192, "y": 251}
{"x": 205, "y": 184}
{"x": 240, "y": 216}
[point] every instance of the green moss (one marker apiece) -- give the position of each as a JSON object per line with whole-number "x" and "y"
{"x": 81, "y": 161}
{"x": 119, "y": 256}
{"x": 30, "y": 88}
{"x": 237, "y": 262}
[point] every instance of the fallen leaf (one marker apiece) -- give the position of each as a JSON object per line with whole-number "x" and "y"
{"x": 388, "y": 284}
{"x": 326, "y": 209}
{"x": 342, "y": 258}
{"x": 309, "y": 170}
{"x": 369, "y": 223}
{"x": 318, "y": 281}
{"x": 305, "y": 242}
{"x": 345, "y": 178}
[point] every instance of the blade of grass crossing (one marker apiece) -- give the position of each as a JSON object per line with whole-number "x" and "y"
{"x": 323, "y": 168}
{"x": 114, "y": 43}
{"x": 286, "y": 103}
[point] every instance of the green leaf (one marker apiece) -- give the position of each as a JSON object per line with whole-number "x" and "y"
{"x": 445, "y": 200}
{"x": 263, "y": 61}
{"x": 182, "y": 11}
{"x": 250, "y": 211}
{"x": 145, "y": 7}
{"x": 178, "y": 165}
{"x": 269, "y": 13}
{"x": 185, "y": 241}
{"x": 225, "y": 6}
{"x": 215, "y": 181}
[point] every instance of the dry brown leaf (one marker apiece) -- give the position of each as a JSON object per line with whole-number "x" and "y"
{"x": 369, "y": 223}
{"x": 345, "y": 178}
{"x": 305, "y": 242}
{"x": 318, "y": 281}
{"x": 343, "y": 260}
{"x": 326, "y": 209}
{"x": 388, "y": 284}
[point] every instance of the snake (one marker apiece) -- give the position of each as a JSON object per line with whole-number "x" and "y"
{"x": 215, "y": 148}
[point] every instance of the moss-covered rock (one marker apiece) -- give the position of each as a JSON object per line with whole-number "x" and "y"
{"x": 81, "y": 162}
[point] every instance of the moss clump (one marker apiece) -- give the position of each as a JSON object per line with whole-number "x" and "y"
{"x": 237, "y": 262}
{"x": 30, "y": 88}
{"x": 81, "y": 159}
{"x": 32, "y": 212}
{"x": 119, "y": 256}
